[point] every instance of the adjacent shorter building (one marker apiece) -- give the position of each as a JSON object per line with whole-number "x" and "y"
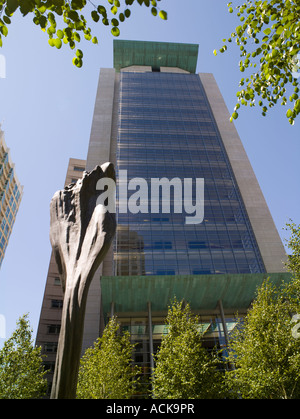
{"x": 11, "y": 193}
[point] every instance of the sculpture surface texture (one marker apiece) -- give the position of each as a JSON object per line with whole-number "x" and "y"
{"x": 81, "y": 232}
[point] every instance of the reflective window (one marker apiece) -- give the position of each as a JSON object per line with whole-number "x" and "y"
{"x": 166, "y": 129}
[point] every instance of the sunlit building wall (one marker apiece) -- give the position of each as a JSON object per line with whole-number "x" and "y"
{"x": 11, "y": 192}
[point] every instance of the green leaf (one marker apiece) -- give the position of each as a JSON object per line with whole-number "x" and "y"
{"x": 163, "y": 15}
{"x": 4, "y": 30}
{"x": 114, "y": 10}
{"x": 60, "y": 34}
{"x": 95, "y": 16}
{"x": 73, "y": 15}
{"x": 154, "y": 11}
{"x": 267, "y": 31}
{"x": 279, "y": 30}
{"x": 115, "y": 22}
{"x": 57, "y": 43}
{"x": 26, "y": 6}
{"x": 42, "y": 9}
{"x": 76, "y": 37}
{"x": 51, "y": 30}
{"x": 297, "y": 106}
{"x": 75, "y": 4}
{"x": 101, "y": 10}
{"x": 79, "y": 53}
{"x": 115, "y": 31}
{"x": 6, "y": 20}
{"x": 12, "y": 5}
{"x": 77, "y": 62}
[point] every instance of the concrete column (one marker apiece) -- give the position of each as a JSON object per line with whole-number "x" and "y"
{"x": 112, "y": 309}
{"x": 100, "y": 137}
{"x": 150, "y": 336}
{"x": 220, "y": 304}
{"x": 99, "y": 153}
{"x": 225, "y": 330}
{"x": 266, "y": 234}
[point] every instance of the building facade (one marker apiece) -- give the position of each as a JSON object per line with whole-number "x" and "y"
{"x": 11, "y": 192}
{"x": 155, "y": 119}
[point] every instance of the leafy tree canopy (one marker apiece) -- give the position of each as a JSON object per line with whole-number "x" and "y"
{"x": 293, "y": 266}
{"x": 21, "y": 370}
{"x": 106, "y": 370}
{"x": 266, "y": 350}
{"x": 184, "y": 369}
{"x": 293, "y": 243}
{"x": 269, "y": 40}
{"x": 66, "y": 21}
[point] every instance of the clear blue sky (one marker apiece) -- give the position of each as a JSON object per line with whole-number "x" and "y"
{"x": 46, "y": 105}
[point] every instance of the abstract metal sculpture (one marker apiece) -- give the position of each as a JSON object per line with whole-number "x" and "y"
{"x": 81, "y": 231}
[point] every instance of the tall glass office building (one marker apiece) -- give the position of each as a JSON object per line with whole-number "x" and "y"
{"x": 167, "y": 130}
{"x": 11, "y": 192}
{"x": 156, "y": 118}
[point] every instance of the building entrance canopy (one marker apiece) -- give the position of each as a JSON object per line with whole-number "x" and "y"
{"x": 202, "y": 292}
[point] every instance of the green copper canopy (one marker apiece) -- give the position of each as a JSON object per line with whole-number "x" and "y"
{"x": 202, "y": 292}
{"x": 155, "y": 54}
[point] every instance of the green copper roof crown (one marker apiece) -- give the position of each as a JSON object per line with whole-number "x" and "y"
{"x": 155, "y": 54}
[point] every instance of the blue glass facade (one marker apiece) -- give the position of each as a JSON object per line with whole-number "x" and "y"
{"x": 166, "y": 129}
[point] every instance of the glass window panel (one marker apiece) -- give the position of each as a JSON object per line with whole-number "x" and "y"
{"x": 167, "y": 130}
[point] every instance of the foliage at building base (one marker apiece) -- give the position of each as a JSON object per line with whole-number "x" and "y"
{"x": 184, "y": 369}
{"x": 106, "y": 370}
{"x": 21, "y": 370}
{"x": 266, "y": 349}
